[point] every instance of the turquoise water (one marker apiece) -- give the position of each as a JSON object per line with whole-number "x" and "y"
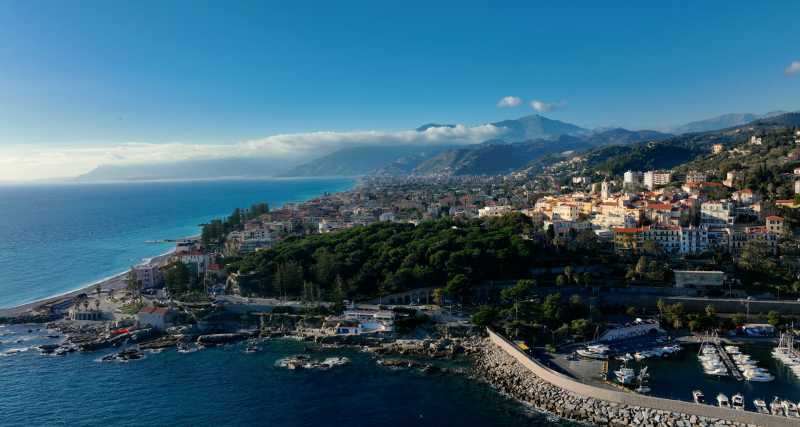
{"x": 56, "y": 238}
{"x": 223, "y": 386}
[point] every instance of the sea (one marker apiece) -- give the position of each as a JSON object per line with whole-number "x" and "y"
{"x": 56, "y": 238}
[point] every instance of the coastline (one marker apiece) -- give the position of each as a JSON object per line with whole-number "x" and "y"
{"x": 115, "y": 282}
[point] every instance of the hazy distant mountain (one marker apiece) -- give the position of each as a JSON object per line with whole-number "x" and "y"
{"x": 367, "y": 160}
{"x": 537, "y": 127}
{"x": 722, "y": 122}
{"x": 189, "y": 169}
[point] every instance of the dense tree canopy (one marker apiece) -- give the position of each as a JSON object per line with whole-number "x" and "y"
{"x": 385, "y": 258}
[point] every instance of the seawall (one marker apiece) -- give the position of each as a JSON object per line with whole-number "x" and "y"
{"x": 512, "y": 371}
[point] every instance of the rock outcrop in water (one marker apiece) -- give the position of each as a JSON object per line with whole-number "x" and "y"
{"x": 509, "y": 376}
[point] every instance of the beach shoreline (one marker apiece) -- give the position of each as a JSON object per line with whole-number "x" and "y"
{"x": 115, "y": 282}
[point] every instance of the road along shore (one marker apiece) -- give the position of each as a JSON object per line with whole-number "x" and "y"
{"x": 41, "y": 310}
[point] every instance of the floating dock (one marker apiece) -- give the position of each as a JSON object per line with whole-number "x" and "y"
{"x": 726, "y": 359}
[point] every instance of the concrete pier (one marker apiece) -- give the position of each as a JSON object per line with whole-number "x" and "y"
{"x": 512, "y": 371}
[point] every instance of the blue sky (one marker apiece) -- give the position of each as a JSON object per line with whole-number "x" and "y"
{"x": 213, "y": 73}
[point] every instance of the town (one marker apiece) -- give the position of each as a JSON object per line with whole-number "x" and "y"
{"x": 565, "y": 261}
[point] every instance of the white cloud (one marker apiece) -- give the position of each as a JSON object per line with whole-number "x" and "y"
{"x": 544, "y": 107}
{"x": 25, "y": 163}
{"x": 509, "y": 101}
{"x": 793, "y": 68}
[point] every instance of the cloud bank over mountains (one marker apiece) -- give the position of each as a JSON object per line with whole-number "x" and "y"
{"x": 26, "y": 163}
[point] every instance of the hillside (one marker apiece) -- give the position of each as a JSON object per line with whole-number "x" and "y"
{"x": 684, "y": 149}
{"x": 494, "y": 157}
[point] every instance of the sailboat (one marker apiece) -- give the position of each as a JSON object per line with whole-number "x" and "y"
{"x": 643, "y": 376}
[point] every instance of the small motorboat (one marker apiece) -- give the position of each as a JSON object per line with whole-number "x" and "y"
{"x": 251, "y": 349}
{"x": 790, "y": 408}
{"x": 776, "y": 406}
{"x": 737, "y": 401}
{"x": 598, "y": 351}
{"x": 625, "y": 375}
{"x": 723, "y": 402}
{"x": 625, "y": 357}
{"x": 698, "y": 397}
{"x": 761, "y": 406}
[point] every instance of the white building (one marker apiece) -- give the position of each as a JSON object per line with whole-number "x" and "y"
{"x": 566, "y": 212}
{"x": 755, "y": 140}
{"x": 632, "y": 177}
{"x": 494, "y": 211}
{"x": 653, "y": 179}
{"x": 372, "y": 320}
{"x": 326, "y": 226}
{"x": 637, "y": 328}
{"x": 387, "y": 217}
{"x": 155, "y": 317}
{"x": 720, "y": 212}
{"x": 196, "y": 260}
{"x": 694, "y": 177}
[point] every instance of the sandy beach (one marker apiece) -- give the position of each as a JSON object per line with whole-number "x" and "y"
{"x": 116, "y": 282}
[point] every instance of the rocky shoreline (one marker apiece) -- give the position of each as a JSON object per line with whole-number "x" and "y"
{"x": 508, "y": 376}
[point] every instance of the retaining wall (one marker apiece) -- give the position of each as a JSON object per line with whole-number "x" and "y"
{"x": 582, "y": 389}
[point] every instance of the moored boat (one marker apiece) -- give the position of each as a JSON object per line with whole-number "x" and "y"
{"x": 596, "y": 351}
{"x": 737, "y": 401}
{"x": 698, "y": 397}
{"x": 723, "y": 402}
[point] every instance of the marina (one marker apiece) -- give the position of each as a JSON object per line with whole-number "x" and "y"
{"x": 740, "y": 374}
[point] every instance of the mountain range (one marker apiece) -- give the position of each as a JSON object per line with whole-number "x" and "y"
{"x": 721, "y": 122}
{"x": 524, "y": 140}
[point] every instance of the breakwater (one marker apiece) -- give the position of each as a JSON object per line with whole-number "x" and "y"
{"x": 511, "y": 371}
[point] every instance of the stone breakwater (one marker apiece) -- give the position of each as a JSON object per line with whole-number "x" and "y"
{"x": 506, "y": 374}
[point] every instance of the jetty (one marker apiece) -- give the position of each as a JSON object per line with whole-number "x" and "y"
{"x": 726, "y": 359}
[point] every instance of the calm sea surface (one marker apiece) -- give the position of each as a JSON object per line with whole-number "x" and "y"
{"x": 56, "y": 238}
{"x": 223, "y": 386}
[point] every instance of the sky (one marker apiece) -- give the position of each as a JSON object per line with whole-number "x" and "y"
{"x": 85, "y": 83}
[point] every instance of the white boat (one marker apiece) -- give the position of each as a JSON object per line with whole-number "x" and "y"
{"x": 597, "y": 351}
{"x": 790, "y": 408}
{"x": 732, "y": 349}
{"x": 625, "y": 375}
{"x": 625, "y": 357}
{"x": 761, "y": 406}
{"x": 723, "y": 402}
{"x": 758, "y": 375}
{"x": 698, "y": 397}
{"x": 737, "y": 401}
{"x": 776, "y": 406}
